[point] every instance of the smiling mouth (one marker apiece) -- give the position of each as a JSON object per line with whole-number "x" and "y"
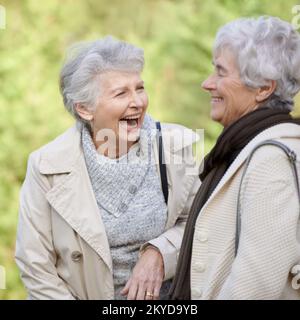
{"x": 216, "y": 99}
{"x": 130, "y": 121}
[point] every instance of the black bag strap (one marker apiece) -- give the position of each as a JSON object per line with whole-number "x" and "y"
{"x": 292, "y": 158}
{"x": 162, "y": 163}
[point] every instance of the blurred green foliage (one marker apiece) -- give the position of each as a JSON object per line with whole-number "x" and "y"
{"x": 177, "y": 37}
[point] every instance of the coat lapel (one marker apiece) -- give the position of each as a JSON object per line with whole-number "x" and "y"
{"x": 72, "y": 196}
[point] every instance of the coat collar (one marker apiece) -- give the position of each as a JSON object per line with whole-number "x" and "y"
{"x": 177, "y": 137}
{"x": 280, "y": 131}
{"x": 64, "y": 156}
{"x": 60, "y": 155}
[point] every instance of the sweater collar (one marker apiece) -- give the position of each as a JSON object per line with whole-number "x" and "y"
{"x": 116, "y": 181}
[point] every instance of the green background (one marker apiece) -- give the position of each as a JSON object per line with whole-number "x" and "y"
{"x": 177, "y": 37}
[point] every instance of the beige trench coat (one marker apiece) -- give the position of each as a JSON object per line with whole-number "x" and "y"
{"x": 62, "y": 249}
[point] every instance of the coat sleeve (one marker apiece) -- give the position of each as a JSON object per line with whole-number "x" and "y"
{"x": 169, "y": 242}
{"x": 269, "y": 215}
{"x": 35, "y": 254}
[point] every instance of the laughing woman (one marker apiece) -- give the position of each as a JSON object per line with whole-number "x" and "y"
{"x": 94, "y": 221}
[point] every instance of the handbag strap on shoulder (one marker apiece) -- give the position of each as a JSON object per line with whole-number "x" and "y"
{"x": 292, "y": 158}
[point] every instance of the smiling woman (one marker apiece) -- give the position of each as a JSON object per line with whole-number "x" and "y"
{"x": 120, "y": 108}
{"x": 256, "y": 77}
{"x": 94, "y": 223}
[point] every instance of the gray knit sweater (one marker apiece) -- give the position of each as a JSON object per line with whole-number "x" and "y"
{"x": 130, "y": 200}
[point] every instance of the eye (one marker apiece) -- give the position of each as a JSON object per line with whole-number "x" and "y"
{"x": 220, "y": 72}
{"x": 119, "y": 94}
{"x": 141, "y": 88}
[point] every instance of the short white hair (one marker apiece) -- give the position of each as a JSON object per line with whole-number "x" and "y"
{"x": 86, "y": 61}
{"x": 266, "y": 48}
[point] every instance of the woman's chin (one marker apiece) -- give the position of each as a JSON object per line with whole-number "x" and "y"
{"x": 215, "y": 116}
{"x": 219, "y": 113}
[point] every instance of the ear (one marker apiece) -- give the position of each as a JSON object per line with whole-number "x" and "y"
{"x": 83, "y": 112}
{"x": 265, "y": 92}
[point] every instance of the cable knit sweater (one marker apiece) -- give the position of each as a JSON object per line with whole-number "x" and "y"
{"x": 130, "y": 200}
{"x": 270, "y": 230}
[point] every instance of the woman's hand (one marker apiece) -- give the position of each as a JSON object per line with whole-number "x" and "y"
{"x": 147, "y": 276}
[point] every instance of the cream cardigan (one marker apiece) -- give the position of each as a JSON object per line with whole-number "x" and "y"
{"x": 268, "y": 247}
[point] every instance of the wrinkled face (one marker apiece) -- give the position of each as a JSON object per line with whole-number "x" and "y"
{"x": 122, "y": 105}
{"x": 230, "y": 98}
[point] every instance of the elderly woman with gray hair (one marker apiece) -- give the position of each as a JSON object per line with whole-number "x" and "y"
{"x": 95, "y": 220}
{"x": 242, "y": 238}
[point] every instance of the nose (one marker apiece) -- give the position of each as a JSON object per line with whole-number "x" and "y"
{"x": 209, "y": 83}
{"x": 137, "y": 101}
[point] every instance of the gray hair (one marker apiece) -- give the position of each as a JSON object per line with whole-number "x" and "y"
{"x": 266, "y": 48}
{"x": 80, "y": 74}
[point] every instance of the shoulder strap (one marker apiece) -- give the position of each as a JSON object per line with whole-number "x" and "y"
{"x": 162, "y": 163}
{"x": 292, "y": 158}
